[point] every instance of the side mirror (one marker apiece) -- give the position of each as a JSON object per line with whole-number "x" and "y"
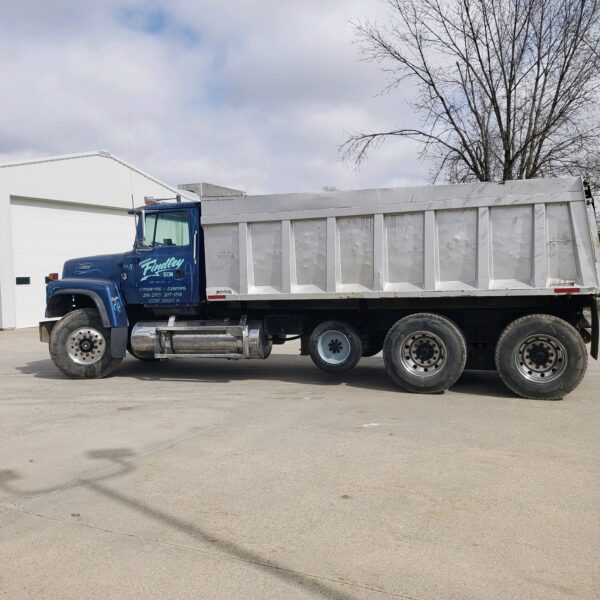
{"x": 140, "y": 228}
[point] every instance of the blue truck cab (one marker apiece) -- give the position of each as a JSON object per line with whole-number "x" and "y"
{"x": 162, "y": 272}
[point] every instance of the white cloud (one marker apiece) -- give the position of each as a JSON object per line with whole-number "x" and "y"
{"x": 255, "y": 94}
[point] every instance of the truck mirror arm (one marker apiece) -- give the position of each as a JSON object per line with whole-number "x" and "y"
{"x": 141, "y": 215}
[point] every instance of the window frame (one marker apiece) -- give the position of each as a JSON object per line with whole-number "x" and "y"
{"x": 159, "y": 214}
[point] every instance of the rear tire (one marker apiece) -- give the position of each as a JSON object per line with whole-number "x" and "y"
{"x": 335, "y": 346}
{"x": 541, "y": 357}
{"x": 424, "y": 353}
{"x": 80, "y": 346}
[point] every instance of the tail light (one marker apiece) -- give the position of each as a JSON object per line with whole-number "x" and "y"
{"x": 51, "y": 277}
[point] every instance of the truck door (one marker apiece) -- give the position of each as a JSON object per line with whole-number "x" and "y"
{"x": 166, "y": 261}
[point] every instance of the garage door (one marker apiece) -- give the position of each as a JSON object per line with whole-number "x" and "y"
{"x": 46, "y": 234}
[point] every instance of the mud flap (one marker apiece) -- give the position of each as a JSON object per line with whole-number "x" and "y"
{"x": 45, "y": 329}
{"x": 595, "y": 331}
{"x": 118, "y": 341}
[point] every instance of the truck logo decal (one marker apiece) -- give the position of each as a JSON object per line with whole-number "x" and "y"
{"x": 116, "y": 302}
{"x": 152, "y": 268}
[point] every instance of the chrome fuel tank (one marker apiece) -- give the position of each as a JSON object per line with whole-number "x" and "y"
{"x": 209, "y": 339}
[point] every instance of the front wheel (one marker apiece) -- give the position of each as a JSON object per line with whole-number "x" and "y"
{"x": 424, "y": 353}
{"x": 80, "y": 346}
{"x": 541, "y": 357}
{"x": 335, "y": 346}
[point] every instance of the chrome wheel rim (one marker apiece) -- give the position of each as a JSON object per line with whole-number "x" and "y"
{"x": 423, "y": 353}
{"x": 86, "y": 346}
{"x": 334, "y": 347}
{"x": 540, "y": 358}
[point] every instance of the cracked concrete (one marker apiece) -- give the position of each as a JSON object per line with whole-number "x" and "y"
{"x": 271, "y": 479}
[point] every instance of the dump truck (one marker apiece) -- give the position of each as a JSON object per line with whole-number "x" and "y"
{"x": 439, "y": 278}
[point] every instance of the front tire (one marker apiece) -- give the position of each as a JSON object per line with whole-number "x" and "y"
{"x": 335, "y": 346}
{"x": 80, "y": 346}
{"x": 541, "y": 357}
{"x": 424, "y": 353}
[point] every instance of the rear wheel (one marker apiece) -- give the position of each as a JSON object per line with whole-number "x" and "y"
{"x": 424, "y": 353}
{"x": 541, "y": 357}
{"x": 80, "y": 346}
{"x": 335, "y": 346}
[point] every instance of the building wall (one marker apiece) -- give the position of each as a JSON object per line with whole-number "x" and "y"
{"x": 45, "y": 208}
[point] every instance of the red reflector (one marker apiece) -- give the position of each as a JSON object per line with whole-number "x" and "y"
{"x": 53, "y": 276}
{"x": 566, "y": 290}
{"x": 217, "y": 297}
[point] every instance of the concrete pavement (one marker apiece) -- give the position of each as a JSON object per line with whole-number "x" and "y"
{"x": 270, "y": 479}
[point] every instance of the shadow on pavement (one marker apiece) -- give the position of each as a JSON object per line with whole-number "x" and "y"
{"x": 482, "y": 383}
{"x": 121, "y": 459}
{"x": 226, "y": 548}
{"x": 369, "y": 374}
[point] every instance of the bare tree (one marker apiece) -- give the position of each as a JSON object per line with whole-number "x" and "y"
{"x": 506, "y": 89}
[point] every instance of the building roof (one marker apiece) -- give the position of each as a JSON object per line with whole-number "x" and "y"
{"x": 104, "y": 154}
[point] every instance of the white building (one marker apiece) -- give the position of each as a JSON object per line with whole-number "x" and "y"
{"x": 58, "y": 208}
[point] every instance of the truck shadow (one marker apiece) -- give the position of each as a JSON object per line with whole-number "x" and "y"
{"x": 368, "y": 375}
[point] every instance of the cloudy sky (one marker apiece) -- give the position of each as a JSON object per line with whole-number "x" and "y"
{"x": 253, "y": 94}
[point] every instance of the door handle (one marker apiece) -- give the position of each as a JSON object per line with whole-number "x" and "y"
{"x": 179, "y": 273}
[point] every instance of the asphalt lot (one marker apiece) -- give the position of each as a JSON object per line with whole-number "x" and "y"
{"x": 259, "y": 480}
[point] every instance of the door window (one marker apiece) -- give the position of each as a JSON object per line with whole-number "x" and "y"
{"x": 167, "y": 229}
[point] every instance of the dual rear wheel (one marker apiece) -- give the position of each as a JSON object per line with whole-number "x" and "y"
{"x": 424, "y": 353}
{"x": 537, "y": 356}
{"x": 541, "y": 356}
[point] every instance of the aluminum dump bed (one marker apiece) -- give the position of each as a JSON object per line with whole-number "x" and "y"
{"x": 481, "y": 239}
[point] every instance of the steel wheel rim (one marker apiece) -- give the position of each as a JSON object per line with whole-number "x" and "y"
{"x": 86, "y": 346}
{"x": 423, "y": 353}
{"x": 540, "y": 358}
{"x": 334, "y": 347}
